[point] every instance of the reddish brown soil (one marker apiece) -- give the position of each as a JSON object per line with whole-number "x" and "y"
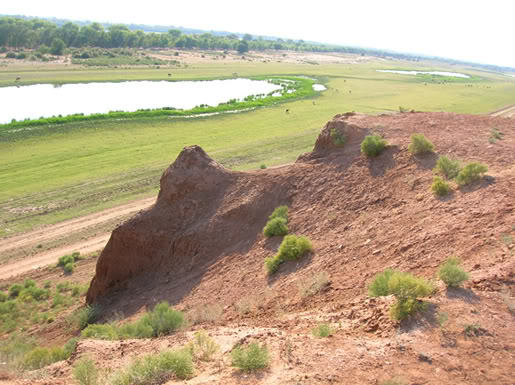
{"x": 202, "y": 243}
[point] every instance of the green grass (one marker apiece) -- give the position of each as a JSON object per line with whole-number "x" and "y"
{"x": 50, "y": 174}
{"x": 250, "y": 358}
{"x": 451, "y": 273}
{"x": 322, "y": 331}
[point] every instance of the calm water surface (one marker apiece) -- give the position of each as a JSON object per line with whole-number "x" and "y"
{"x": 46, "y": 100}
{"x": 441, "y": 73}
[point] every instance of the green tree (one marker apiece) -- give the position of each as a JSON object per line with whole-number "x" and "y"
{"x": 242, "y": 46}
{"x": 57, "y": 47}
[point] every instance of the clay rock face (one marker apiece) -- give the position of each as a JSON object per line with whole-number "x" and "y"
{"x": 336, "y": 127}
{"x": 202, "y": 211}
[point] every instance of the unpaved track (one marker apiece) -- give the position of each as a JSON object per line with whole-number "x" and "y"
{"x": 508, "y": 112}
{"x": 61, "y": 230}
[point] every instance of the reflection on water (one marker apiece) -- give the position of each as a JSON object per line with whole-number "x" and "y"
{"x": 440, "y": 73}
{"x": 46, "y": 100}
{"x": 319, "y": 87}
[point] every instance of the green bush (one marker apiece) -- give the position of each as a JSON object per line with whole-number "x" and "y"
{"x": 472, "y": 172}
{"x": 338, "y": 138}
{"x": 3, "y": 296}
{"x": 451, "y": 273}
{"x": 447, "y": 167}
{"x": 85, "y": 316}
{"x": 419, "y": 144}
{"x": 262, "y": 166}
{"x": 10, "y": 55}
{"x": 65, "y": 259}
{"x": 251, "y": 358}
{"x": 322, "y": 331}
{"x": 203, "y": 347}
{"x": 40, "y": 357}
{"x": 100, "y": 332}
{"x": 69, "y": 267}
{"x": 85, "y": 371}
{"x": 29, "y": 283}
{"x": 163, "y": 319}
{"x": 156, "y": 369}
{"x": 15, "y": 290}
{"x": 276, "y": 227}
{"x": 279, "y": 212}
{"x": 293, "y": 247}
{"x": 405, "y": 287}
{"x": 440, "y": 187}
{"x": 373, "y": 145}
{"x": 379, "y": 285}
{"x": 272, "y": 264}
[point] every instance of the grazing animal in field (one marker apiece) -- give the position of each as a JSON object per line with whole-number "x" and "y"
{"x": 18, "y": 79}
{"x": 169, "y": 75}
{"x": 350, "y": 92}
{"x": 314, "y": 102}
{"x": 345, "y": 81}
{"x": 287, "y": 111}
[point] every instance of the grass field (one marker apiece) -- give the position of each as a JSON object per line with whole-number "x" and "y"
{"x": 62, "y": 171}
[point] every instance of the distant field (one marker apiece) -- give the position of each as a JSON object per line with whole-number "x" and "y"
{"x": 63, "y": 171}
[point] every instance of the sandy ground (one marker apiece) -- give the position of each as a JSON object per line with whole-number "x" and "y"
{"x": 60, "y": 230}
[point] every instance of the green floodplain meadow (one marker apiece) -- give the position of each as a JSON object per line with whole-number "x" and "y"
{"x": 54, "y": 172}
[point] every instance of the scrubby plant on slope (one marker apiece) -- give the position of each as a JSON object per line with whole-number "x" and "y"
{"x": 277, "y": 222}
{"x": 451, "y": 273}
{"x": 250, "y": 358}
{"x": 292, "y": 248}
{"x": 472, "y": 172}
{"x": 440, "y": 187}
{"x": 85, "y": 371}
{"x": 373, "y": 145}
{"x": 322, "y": 331}
{"x": 162, "y": 320}
{"x": 447, "y": 167}
{"x": 338, "y": 138}
{"x": 405, "y": 287}
{"x": 420, "y": 144}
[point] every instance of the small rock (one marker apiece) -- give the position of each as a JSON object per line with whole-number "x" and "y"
{"x": 375, "y": 252}
{"x": 422, "y": 357}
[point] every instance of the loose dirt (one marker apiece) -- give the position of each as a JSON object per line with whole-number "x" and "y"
{"x": 508, "y": 112}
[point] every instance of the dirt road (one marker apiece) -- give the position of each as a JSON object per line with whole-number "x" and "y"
{"x": 508, "y": 112}
{"x": 60, "y": 230}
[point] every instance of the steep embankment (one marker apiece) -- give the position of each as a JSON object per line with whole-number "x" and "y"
{"x": 202, "y": 243}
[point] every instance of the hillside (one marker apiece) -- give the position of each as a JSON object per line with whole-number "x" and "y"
{"x": 201, "y": 245}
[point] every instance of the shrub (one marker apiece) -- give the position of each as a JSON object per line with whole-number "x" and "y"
{"x": 85, "y": 371}
{"x": 203, "y": 347}
{"x": 405, "y": 287}
{"x": 420, "y": 144}
{"x": 10, "y": 55}
{"x": 262, "y": 166}
{"x": 15, "y": 290}
{"x": 29, "y": 283}
{"x": 373, "y": 145}
{"x": 69, "y": 267}
{"x": 447, "y": 167}
{"x": 451, "y": 273}
{"x": 205, "y": 313}
{"x": 276, "y": 226}
{"x": 65, "y": 259}
{"x": 293, "y": 247}
{"x": 272, "y": 264}
{"x": 338, "y": 138}
{"x": 322, "y": 331}
{"x": 40, "y": 357}
{"x": 3, "y": 296}
{"x": 156, "y": 369}
{"x": 84, "y": 316}
{"x": 100, "y": 332}
{"x": 379, "y": 285}
{"x": 279, "y": 212}
{"x": 21, "y": 55}
{"x": 163, "y": 319}
{"x": 472, "y": 172}
{"x": 251, "y": 358}
{"x": 440, "y": 187}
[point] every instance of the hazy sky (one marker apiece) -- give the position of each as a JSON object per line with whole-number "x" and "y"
{"x": 479, "y": 31}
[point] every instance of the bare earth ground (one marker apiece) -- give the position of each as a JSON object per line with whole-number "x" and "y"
{"x": 362, "y": 216}
{"x": 32, "y": 239}
{"x": 508, "y": 112}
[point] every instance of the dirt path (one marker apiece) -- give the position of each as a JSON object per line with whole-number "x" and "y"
{"x": 60, "y": 230}
{"x": 508, "y": 112}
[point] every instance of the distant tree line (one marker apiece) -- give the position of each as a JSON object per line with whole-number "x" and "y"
{"x": 23, "y": 32}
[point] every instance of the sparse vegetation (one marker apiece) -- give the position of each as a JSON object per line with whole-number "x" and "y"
{"x": 292, "y": 248}
{"x": 495, "y": 135}
{"x": 471, "y": 173}
{"x": 338, "y": 138}
{"x": 162, "y": 320}
{"x": 420, "y": 144}
{"x": 203, "y": 347}
{"x": 205, "y": 313}
{"x": 472, "y": 330}
{"x": 405, "y": 287}
{"x": 251, "y": 358}
{"x": 447, "y": 167}
{"x": 373, "y": 145}
{"x": 156, "y": 369}
{"x": 67, "y": 262}
{"x": 451, "y": 272}
{"x": 84, "y": 316}
{"x": 314, "y": 284}
{"x": 440, "y": 187}
{"x": 394, "y": 381}
{"x": 322, "y": 331}
{"x": 277, "y": 222}
{"x": 85, "y": 371}
{"x": 262, "y": 166}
